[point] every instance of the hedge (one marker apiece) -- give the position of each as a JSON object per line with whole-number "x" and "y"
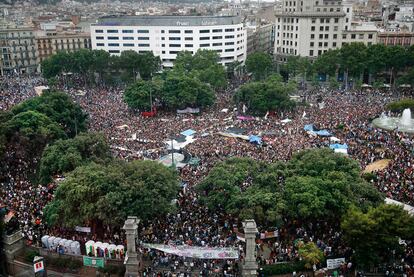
{"x": 399, "y": 106}
{"x": 118, "y": 270}
{"x": 283, "y": 268}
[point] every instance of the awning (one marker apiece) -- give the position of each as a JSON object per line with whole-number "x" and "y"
{"x": 188, "y": 132}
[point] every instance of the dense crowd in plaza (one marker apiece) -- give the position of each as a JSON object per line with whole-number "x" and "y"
{"x": 346, "y": 114}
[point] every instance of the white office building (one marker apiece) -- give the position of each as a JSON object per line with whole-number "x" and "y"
{"x": 308, "y": 28}
{"x": 165, "y": 36}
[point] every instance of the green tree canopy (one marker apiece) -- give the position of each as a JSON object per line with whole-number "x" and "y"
{"x": 59, "y": 107}
{"x": 311, "y": 254}
{"x": 269, "y": 95}
{"x": 314, "y": 184}
{"x": 97, "y": 194}
{"x": 181, "y": 91}
{"x": 65, "y": 155}
{"x": 138, "y": 95}
{"x": 375, "y": 234}
{"x": 260, "y": 64}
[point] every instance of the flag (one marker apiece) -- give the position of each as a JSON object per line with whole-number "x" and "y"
{"x": 244, "y": 108}
{"x": 266, "y": 115}
{"x": 304, "y": 114}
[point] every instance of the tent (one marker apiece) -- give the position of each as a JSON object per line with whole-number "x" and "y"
{"x": 338, "y": 146}
{"x": 188, "y": 132}
{"x": 255, "y": 139}
{"x": 323, "y": 133}
{"x": 334, "y": 139}
{"x": 309, "y": 127}
{"x": 408, "y": 208}
{"x": 287, "y": 120}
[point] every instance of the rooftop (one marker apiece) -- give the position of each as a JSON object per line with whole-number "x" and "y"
{"x": 167, "y": 20}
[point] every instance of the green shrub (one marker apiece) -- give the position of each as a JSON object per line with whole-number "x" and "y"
{"x": 283, "y": 268}
{"x": 118, "y": 270}
{"x": 400, "y": 105}
{"x": 30, "y": 254}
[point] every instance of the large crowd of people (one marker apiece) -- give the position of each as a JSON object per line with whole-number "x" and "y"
{"x": 346, "y": 114}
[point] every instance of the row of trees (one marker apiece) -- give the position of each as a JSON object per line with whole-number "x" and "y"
{"x": 191, "y": 83}
{"x": 352, "y": 60}
{"x": 314, "y": 186}
{"x": 91, "y": 63}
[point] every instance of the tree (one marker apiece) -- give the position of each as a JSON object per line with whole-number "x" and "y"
{"x": 311, "y": 254}
{"x": 65, "y": 155}
{"x": 140, "y": 94}
{"x": 59, "y": 107}
{"x": 215, "y": 75}
{"x": 328, "y": 62}
{"x": 375, "y": 234}
{"x": 269, "y": 95}
{"x": 180, "y": 91}
{"x": 97, "y": 194}
{"x": 259, "y": 64}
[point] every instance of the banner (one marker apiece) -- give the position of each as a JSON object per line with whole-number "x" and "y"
{"x": 214, "y": 253}
{"x": 189, "y": 110}
{"x": 334, "y": 263}
{"x": 83, "y": 229}
{"x": 93, "y": 262}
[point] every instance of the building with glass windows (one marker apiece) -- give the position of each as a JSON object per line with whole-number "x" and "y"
{"x": 165, "y": 36}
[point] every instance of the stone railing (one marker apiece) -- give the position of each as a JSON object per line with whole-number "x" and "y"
{"x": 13, "y": 238}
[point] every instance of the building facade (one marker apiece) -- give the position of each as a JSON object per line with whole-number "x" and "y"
{"x": 260, "y": 38}
{"x": 17, "y": 50}
{"x": 309, "y": 28}
{"x": 165, "y": 36}
{"x": 396, "y": 38}
{"x": 50, "y": 43}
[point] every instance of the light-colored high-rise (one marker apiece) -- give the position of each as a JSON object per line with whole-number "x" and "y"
{"x": 308, "y": 28}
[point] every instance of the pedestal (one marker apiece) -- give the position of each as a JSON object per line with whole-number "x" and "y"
{"x": 250, "y": 266}
{"x": 131, "y": 260}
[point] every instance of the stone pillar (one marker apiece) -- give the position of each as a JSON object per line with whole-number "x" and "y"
{"x": 131, "y": 259}
{"x": 249, "y": 267}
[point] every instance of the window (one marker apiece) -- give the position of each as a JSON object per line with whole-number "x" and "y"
{"x": 322, "y": 20}
{"x": 204, "y": 31}
{"x": 205, "y": 45}
{"x": 344, "y": 36}
{"x": 319, "y": 52}
{"x": 128, "y": 38}
{"x": 204, "y": 38}
{"x": 99, "y": 31}
{"x": 229, "y": 50}
{"x": 325, "y": 44}
{"x": 174, "y": 31}
{"x": 113, "y": 38}
{"x": 320, "y": 36}
{"x": 361, "y": 36}
{"x": 326, "y": 28}
{"x": 162, "y": 31}
{"x": 335, "y": 28}
{"x": 112, "y": 31}
{"x": 370, "y": 36}
{"x": 143, "y": 38}
{"x": 163, "y": 52}
{"x": 162, "y": 45}
{"x": 145, "y": 31}
{"x": 188, "y": 38}
{"x": 312, "y": 36}
{"x": 113, "y": 51}
{"x": 333, "y": 44}
{"x": 313, "y": 28}
{"x": 336, "y": 20}
{"x": 217, "y": 37}
{"x": 229, "y": 30}
{"x": 335, "y": 36}
{"x": 175, "y": 45}
{"x": 144, "y": 45}
{"x": 313, "y": 20}
{"x": 174, "y": 52}
{"x": 128, "y": 44}
{"x": 353, "y": 36}
{"x": 99, "y": 38}
{"x": 311, "y": 53}
{"x": 100, "y": 44}
{"x": 321, "y": 28}
{"x": 127, "y": 31}
{"x": 175, "y": 38}
{"x": 320, "y": 44}
{"x": 188, "y": 45}
{"x": 217, "y": 30}
{"x": 113, "y": 44}
{"x": 217, "y": 44}
{"x": 326, "y": 36}
{"x": 311, "y": 44}
{"x": 188, "y": 31}
{"x": 229, "y": 36}
{"x": 229, "y": 43}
